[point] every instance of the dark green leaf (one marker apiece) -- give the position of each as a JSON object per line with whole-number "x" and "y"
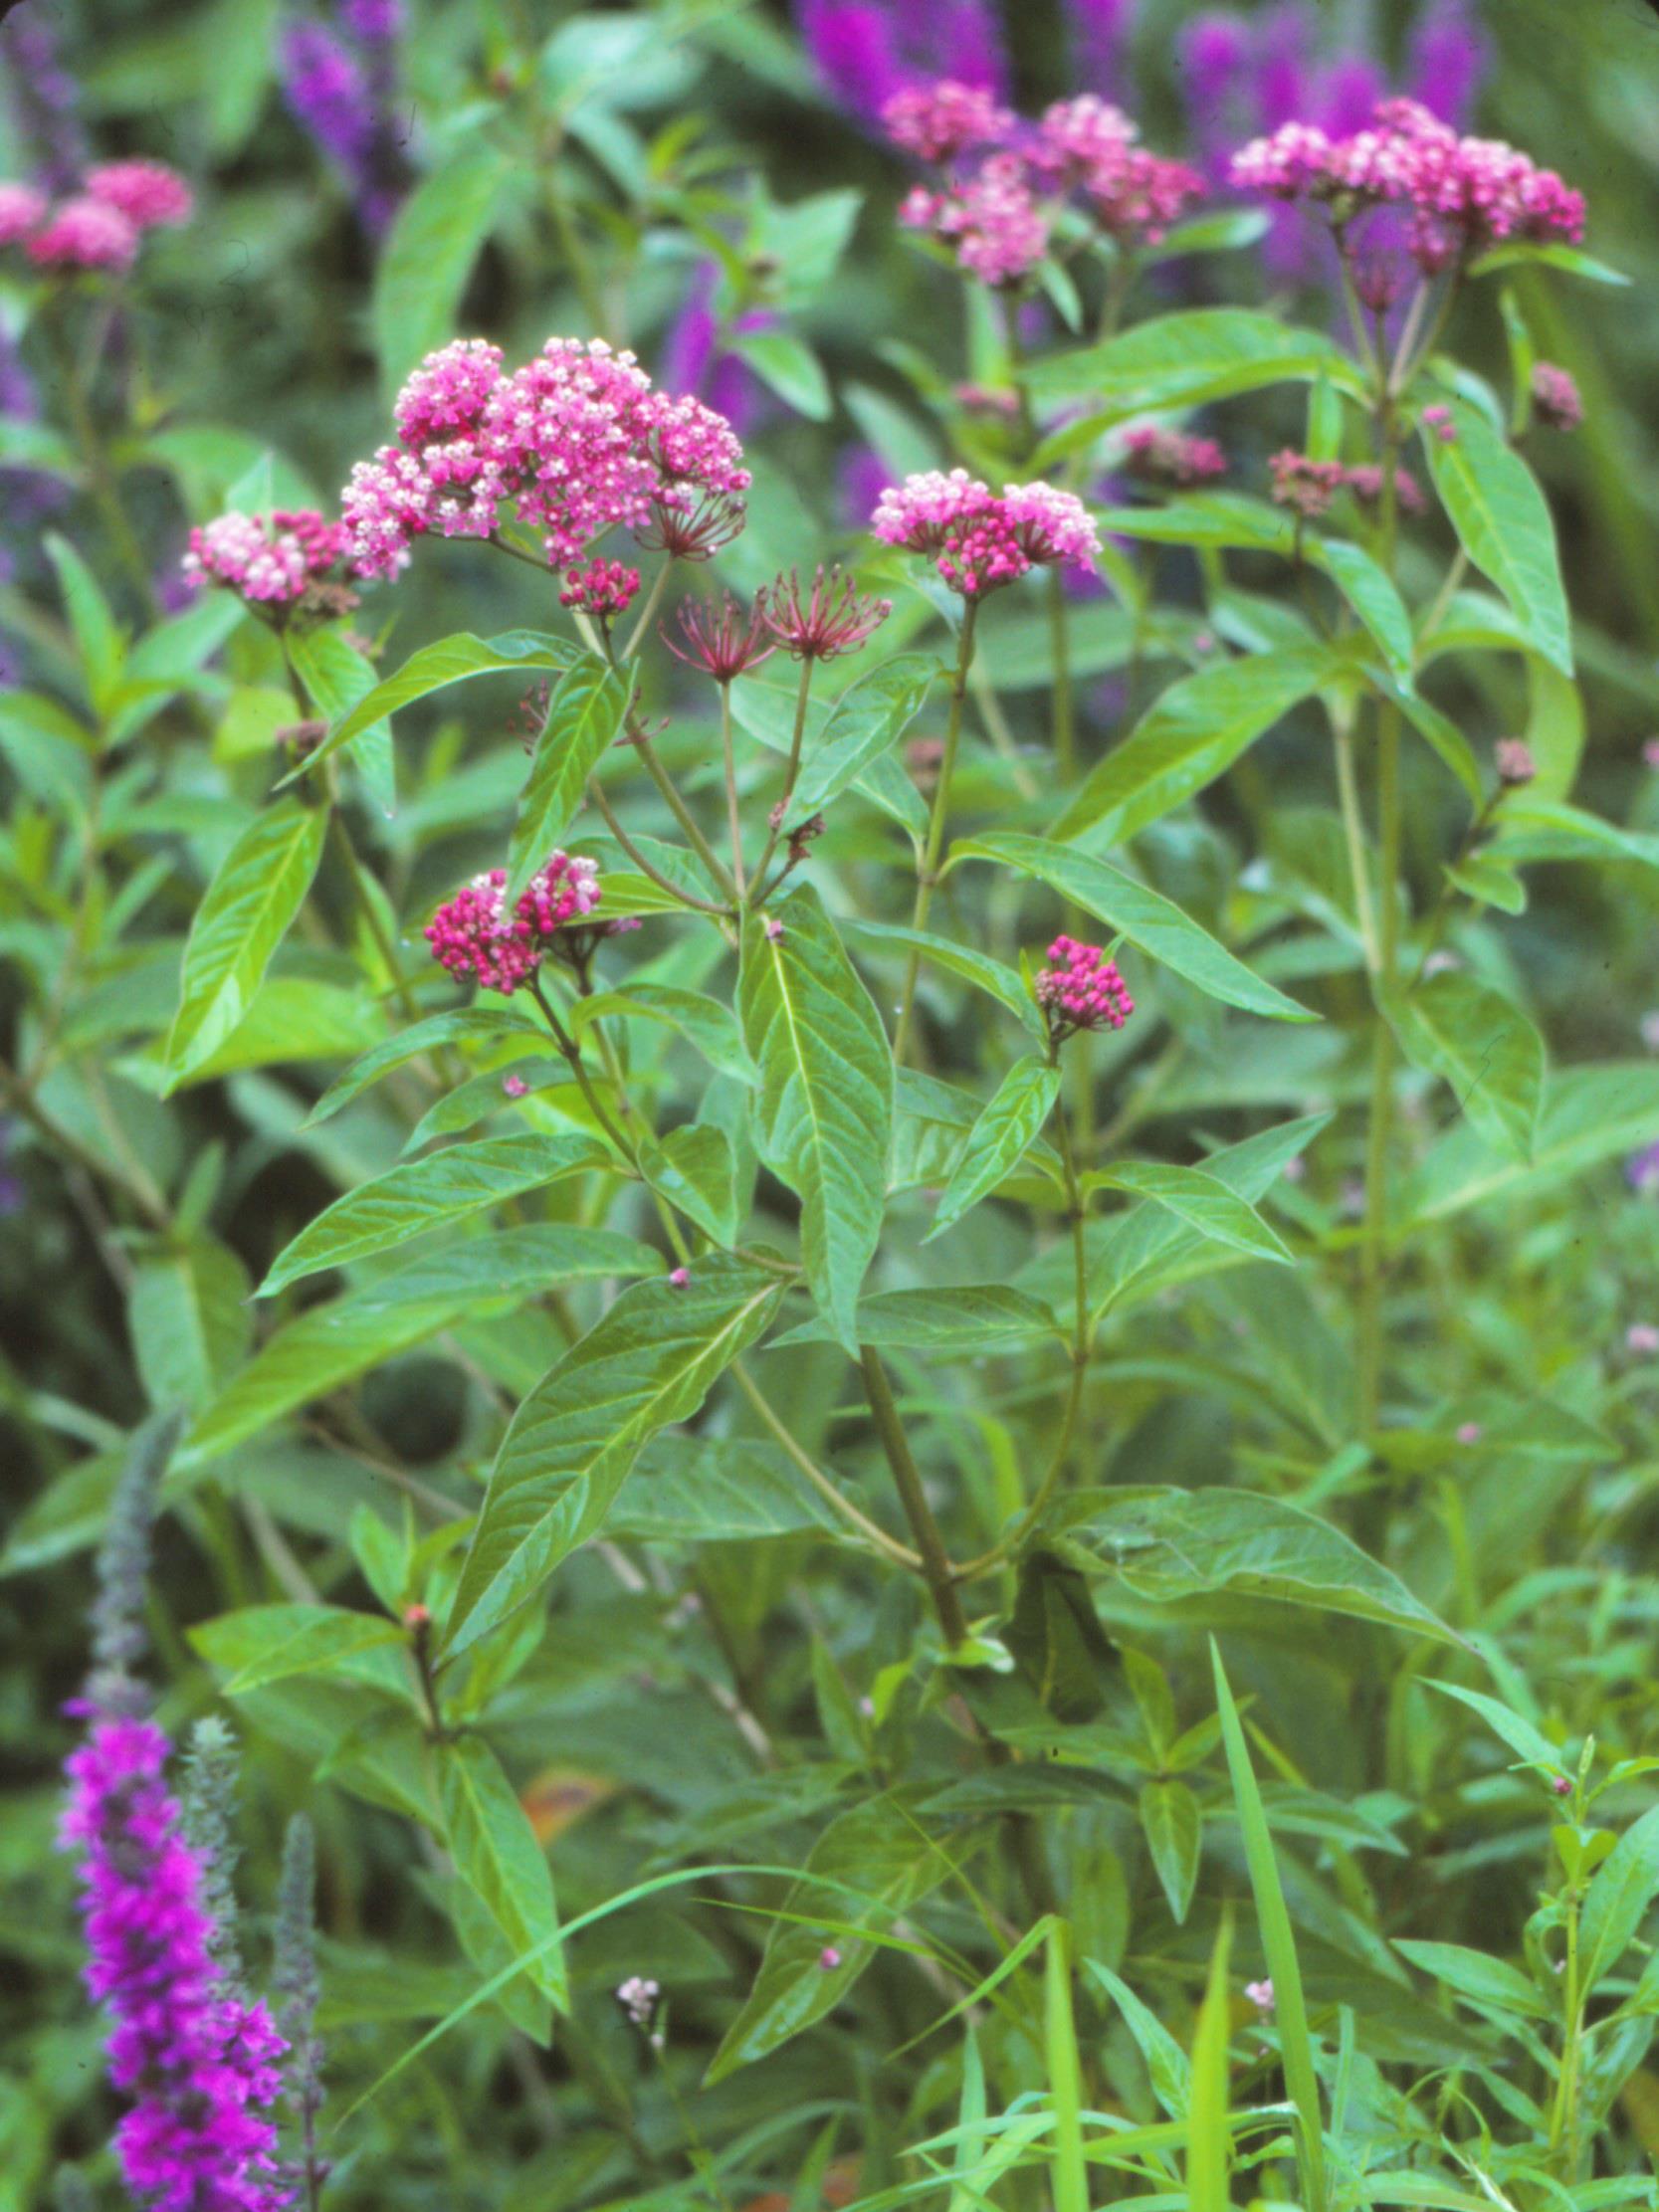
{"x": 584, "y": 718}
{"x": 1001, "y": 1138}
{"x": 497, "y": 1853}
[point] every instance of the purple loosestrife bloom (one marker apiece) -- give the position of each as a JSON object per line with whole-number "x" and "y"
{"x": 342, "y": 92}
{"x": 694, "y": 360}
{"x": 1447, "y": 60}
{"x": 1099, "y": 32}
{"x": 42, "y": 96}
{"x": 865, "y": 51}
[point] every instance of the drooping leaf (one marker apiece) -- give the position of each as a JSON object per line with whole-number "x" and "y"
{"x": 879, "y": 1850}
{"x": 1191, "y": 734}
{"x": 1373, "y": 594}
{"x": 1591, "y": 1113}
{"x": 1473, "y": 1974}
{"x": 337, "y": 676}
{"x": 716, "y": 1489}
{"x": 991, "y": 976}
{"x": 584, "y": 718}
{"x": 1001, "y": 1138}
{"x": 1484, "y": 1047}
{"x": 1619, "y": 1899}
{"x": 461, "y": 1025}
{"x": 653, "y": 1359}
{"x": 1169, "y": 1544}
{"x": 703, "y": 1021}
{"x": 792, "y": 368}
{"x": 825, "y": 1108}
{"x": 427, "y": 1194}
{"x": 498, "y": 1854}
{"x": 188, "y": 1313}
{"x": 1504, "y": 524}
{"x": 98, "y": 638}
{"x": 244, "y": 915}
{"x": 1145, "y": 918}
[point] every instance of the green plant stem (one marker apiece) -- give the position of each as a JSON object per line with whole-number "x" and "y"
{"x": 1353, "y": 830}
{"x": 636, "y": 636}
{"x": 682, "y": 813}
{"x": 792, "y": 774}
{"x": 1564, "y": 2116}
{"x": 646, "y": 868}
{"x": 1064, "y": 721}
{"x": 733, "y": 814}
{"x": 928, "y": 875}
{"x": 342, "y": 839}
{"x": 100, "y": 476}
{"x": 936, "y": 1570}
{"x": 870, "y": 1531}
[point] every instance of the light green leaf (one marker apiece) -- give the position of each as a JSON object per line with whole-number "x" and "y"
{"x": 1202, "y": 1200}
{"x": 1169, "y": 1544}
{"x": 98, "y": 638}
{"x": 1527, "y": 1744}
{"x": 1533, "y": 828}
{"x": 337, "y": 676}
{"x": 792, "y": 368}
{"x": 703, "y": 1021}
{"x": 1504, "y": 524}
{"x": 263, "y": 1644}
{"x": 188, "y": 1313}
{"x": 427, "y": 1194}
{"x": 695, "y": 1169}
{"x": 1475, "y": 1975}
{"x": 825, "y": 1110}
{"x": 1484, "y": 1047}
{"x": 1210, "y": 2136}
{"x": 497, "y": 1853}
{"x": 879, "y": 1849}
{"x": 1219, "y": 520}
{"x": 992, "y": 976}
{"x": 484, "y": 1025}
{"x": 1171, "y": 1823}
{"x": 967, "y": 1317}
{"x": 1001, "y": 1138}
{"x": 584, "y": 718}
{"x": 1145, "y": 918}
{"x": 426, "y": 261}
{"x": 244, "y": 915}
{"x": 1523, "y": 253}
{"x": 1373, "y": 594}
{"x": 653, "y": 1359}
{"x": 1176, "y": 361}
{"x": 716, "y": 1489}
{"x": 450, "y": 659}
{"x": 1618, "y": 1902}
{"x": 1591, "y": 1113}
{"x": 1189, "y": 735}
{"x": 329, "y": 1345}
{"x": 864, "y": 723}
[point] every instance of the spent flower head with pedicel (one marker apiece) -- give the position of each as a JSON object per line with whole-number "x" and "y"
{"x": 720, "y": 638}
{"x": 472, "y": 935}
{"x": 834, "y": 616}
{"x": 978, "y": 539}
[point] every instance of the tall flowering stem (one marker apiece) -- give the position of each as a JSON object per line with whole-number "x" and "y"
{"x": 928, "y": 871}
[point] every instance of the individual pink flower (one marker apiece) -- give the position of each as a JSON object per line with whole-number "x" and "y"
{"x": 21, "y": 209}
{"x": 271, "y": 559}
{"x": 470, "y": 936}
{"x": 834, "y": 616}
{"x": 1555, "y": 399}
{"x": 1469, "y": 1432}
{"x": 981, "y": 539}
{"x": 941, "y": 121}
{"x": 1153, "y": 454}
{"x": 600, "y": 589}
{"x": 1642, "y": 1339}
{"x": 147, "y": 193}
{"x": 721, "y": 639}
{"x": 83, "y": 233}
{"x": 1082, "y": 989}
{"x": 1441, "y": 420}
{"x": 514, "y": 1087}
{"x": 993, "y": 219}
{"x": 1259, "y": 1994}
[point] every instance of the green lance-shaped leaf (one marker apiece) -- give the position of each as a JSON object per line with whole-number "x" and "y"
{"x": 1209, "y": 2137}
{"x": 1375, "y": 597}
{"x": 1191, "y": 734}
{"x": 994, "y": 977}
{"x": 1616, "y": 1903}
{"x": 427, "y": 1194}
{"x": 187, "y": 1311}
{"x": 337, "y": 676}
{"x": 331, "y": 1343}
{"x": 1001, "y": 1138}
{"x": 1484, "y": 1047}
{"x": 450, "y": 659}
{"x": 99, "y": 640}
{"x": 424, "y": 265}
{"x": 967, "y": 1317}
{"x": 1171, "y": 1823}
{"x": 881, "y": 1852}
{"x": 866, "y": 721}
{"x": 498, "y": 1854}
{"x": 1171, "y": 1544}
{"x": 263, "y": 1644}
{"x": 1472, "y": 1975}
{"x": 1145, "y": 918}
{"x": 825, "y": 1108}
{"x": 1176, "y": 361}
{"x": 459, "y": 1025}
{"x": 1290, "y": 2008}
{"x": 792, "y": 368}
{"x": 584, "y": 718}
{"x": 245, "y": 912}
{"x": 1202, "y": 1200}
{"x": 653, "y": 1359}
{"x": 1503, "y": 523}
{"x": 703, "y": 1021}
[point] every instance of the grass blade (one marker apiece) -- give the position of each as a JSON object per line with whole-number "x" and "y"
{"x": 1068, "y": 2168}
{"x": 1210, "y": 2140}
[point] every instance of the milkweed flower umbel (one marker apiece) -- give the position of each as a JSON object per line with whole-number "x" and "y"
{"x": 978, "y": 539}
{"x": 1082, "y": 989}
{"x": 269, "y": 559}
{"x": 939, "y": 121}
{"x": 472, "y": 935}
{"x": 83, "y": 233}
{"x": 147, "y": 193}
{"x": 21, "y": 209}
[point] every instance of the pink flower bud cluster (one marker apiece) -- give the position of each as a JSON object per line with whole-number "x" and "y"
{"x": 978, "y": 539}
{"x": 1001, "y": 217}
{"x": 469, "y": 935}
{"x": 271, "y": 558}
{"x": 99, "y": 226}
{"x": 1153, "y": 454}
{"x": 1364, "y": 481}
{"x": 1555, "y": 399}
{"x": 1082, "y": 989}
{"x": 1308, "y": 487}
{"x": 601, "y": 588}
{"x": 574, "y": 443}
{"x": 1464, "y": 194}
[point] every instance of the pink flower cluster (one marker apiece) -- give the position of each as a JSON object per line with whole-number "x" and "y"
{"x": 574, "y": 443}
{"x": 99, "y": 227}
{"x": 1308, "y": 487}
{"x": 1555, "y": 397}
{"x": 978, "y": 539}
{"x": 1464, "y": 194}
{"x": 601, "y": 588}
{"x": 1001, "y": 217}
{"x": 270, "y": 558}
{"x": 1082, "y": 989}
{"x": 1153, "y": 454}
{"x": 470, "y": 934}
{"x": 199, "y": 2064}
